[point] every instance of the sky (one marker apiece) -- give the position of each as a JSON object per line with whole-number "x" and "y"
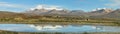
{"x": 86, "y": 5}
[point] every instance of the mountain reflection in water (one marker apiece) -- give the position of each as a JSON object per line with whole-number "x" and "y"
{"x": 58, "y": 28}
{"x": 45, "y": 27}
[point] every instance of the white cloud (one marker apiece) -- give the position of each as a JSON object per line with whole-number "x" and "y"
{"x": 6, "y": 4}
{"x": 114, "y": 3}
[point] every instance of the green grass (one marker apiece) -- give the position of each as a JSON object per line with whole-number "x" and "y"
{"x": 61, "y": 20}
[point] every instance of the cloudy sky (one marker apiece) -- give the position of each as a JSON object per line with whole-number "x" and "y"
{"x": 87, "y": 5}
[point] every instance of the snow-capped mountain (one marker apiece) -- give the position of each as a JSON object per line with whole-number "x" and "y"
{"x": 45, "y": 7}
{"x": 102, "y": 10}
{"x": 54, "y": 10}
{"x": 47, "y": 10}
{"x": 105, "y": 12}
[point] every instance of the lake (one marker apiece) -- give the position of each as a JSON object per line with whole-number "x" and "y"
{"x": 57, "y": 28}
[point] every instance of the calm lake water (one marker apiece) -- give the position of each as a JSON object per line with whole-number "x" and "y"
{"x": 57, "y": 28}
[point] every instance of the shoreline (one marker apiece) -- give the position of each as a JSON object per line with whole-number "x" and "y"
{"x": 62, "y": 23}
{"x": 11, "y": 32}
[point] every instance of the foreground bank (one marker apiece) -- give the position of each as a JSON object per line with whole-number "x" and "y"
{"x": 9, "y": 32}
{"x": 66, "y": 23}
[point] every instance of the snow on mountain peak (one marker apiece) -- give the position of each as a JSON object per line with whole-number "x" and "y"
{"x": 47, "y": 7}
{"x": 101, "y": 9}
{"x": 40, "y": 7}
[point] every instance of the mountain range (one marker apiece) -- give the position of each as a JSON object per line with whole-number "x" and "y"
{"x": 55, "y": 11}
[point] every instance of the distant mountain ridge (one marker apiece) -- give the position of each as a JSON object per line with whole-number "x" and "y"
{"x": 56, "y": 11}
{"x": 103, "y": 12}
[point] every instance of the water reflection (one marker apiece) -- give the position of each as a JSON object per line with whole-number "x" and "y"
{"x": 47, "y": 27}
{"x": 57, "y": 28}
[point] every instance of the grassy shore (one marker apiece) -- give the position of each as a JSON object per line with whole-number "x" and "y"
{"x": 65, "y": 23}
{"x": 10, "y": 32}
{"x": 59, "y": 20}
